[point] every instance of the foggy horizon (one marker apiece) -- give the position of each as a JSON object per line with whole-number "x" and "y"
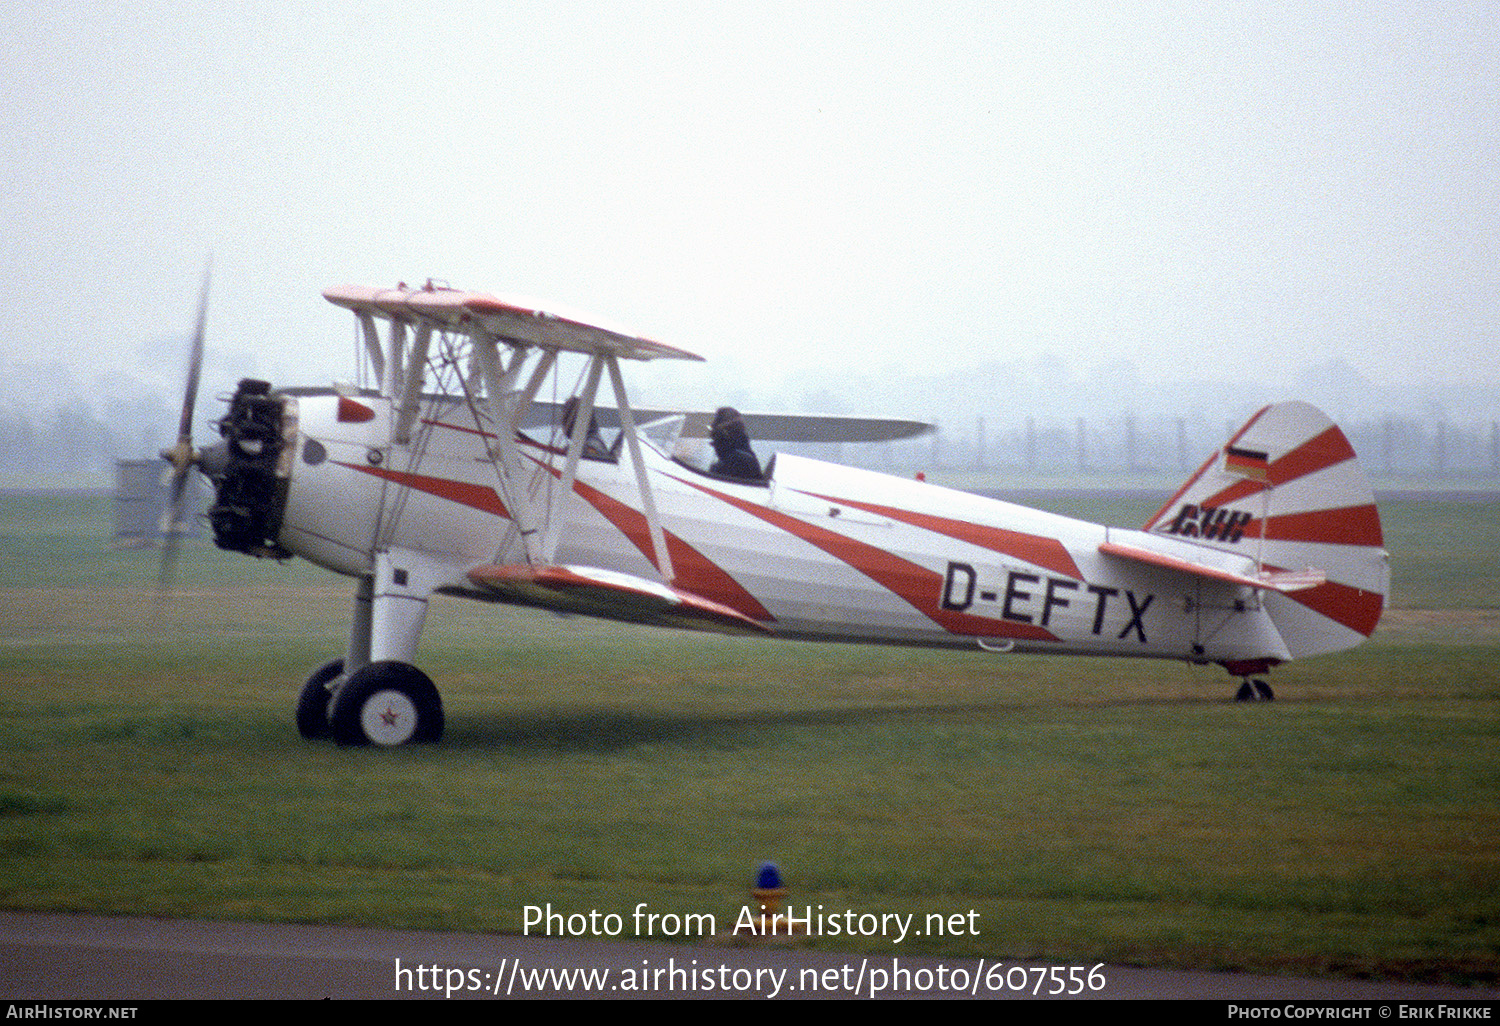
{"x": 936, "y": 211}
{"x": 1038, "y": 414}
{"x": 1219, "y": 194}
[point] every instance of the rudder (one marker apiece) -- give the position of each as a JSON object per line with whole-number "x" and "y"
{"x": 1288, "y": 492}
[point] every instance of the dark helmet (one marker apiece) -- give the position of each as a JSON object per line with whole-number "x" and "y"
{"x": 728, "y": 429}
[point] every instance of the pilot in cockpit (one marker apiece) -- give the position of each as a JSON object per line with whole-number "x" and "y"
{"x": 593, "y": 443}
{"x": 732, "y": 447}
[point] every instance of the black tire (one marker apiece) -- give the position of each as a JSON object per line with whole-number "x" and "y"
{"x": 1263, "y": 690}
{"x": 387, "y": 704}
{"x": 1245, "y": 694}
{"x": 312, "y": 701}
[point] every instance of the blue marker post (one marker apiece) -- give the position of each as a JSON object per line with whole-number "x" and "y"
{"x": 766, "y": 894}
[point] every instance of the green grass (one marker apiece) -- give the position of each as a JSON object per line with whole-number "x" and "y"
{"x": 1114, "y": 811}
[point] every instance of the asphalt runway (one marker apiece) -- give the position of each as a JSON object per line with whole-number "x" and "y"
{"x": 122, "y": 959}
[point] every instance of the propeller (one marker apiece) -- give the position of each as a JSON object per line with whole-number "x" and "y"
{"x": 182, "y": 456}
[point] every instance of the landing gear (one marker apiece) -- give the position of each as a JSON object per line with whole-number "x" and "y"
{"x": 314, "y": 699}
{"x": 1256, "y": 690}
{"x": 1253, "y": 688}
{"x": 386, "y": 703}
{"x": 384, "y": 700}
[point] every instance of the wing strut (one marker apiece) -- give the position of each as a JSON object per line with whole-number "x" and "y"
{"x": 505, "y": 408}
{"x": 410, "y": 401}
{"x": 372, "y": 344}
{"x": 648, "y": 500}
{"x": 576, "y": 439}
{"x": 490, "y": 321}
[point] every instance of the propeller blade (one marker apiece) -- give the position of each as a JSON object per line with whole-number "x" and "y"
{"x": 181, "y": 455}
{"x": 195, "y": 366}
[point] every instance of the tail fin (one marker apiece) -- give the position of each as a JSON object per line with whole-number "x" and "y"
{"x": 1288, "y": 492}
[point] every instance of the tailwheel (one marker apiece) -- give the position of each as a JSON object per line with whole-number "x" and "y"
{"x": 1256, "y": 690}
{"x": 387, "y": 704}
{"x": 314, "y": 699}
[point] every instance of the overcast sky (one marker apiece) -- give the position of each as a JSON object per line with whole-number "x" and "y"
{"x": 1232, "y": 190}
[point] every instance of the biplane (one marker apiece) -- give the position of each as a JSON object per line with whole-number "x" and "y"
{"x": 447, "y": 471}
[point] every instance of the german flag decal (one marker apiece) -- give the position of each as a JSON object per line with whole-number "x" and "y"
{"x": 1247, "y": 463}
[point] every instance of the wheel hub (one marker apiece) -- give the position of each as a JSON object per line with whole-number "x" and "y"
{"x": 389, "y": 717}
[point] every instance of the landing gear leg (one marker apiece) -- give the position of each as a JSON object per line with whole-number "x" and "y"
{"x": 384, "y": 699}
{"x": 358, "y": 652}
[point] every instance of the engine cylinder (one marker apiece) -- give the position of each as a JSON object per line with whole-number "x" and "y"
{"x": 250, "y": 495}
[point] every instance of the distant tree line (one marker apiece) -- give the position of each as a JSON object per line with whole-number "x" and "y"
{"x": 75, "y": 442}
{"x": 1394, "y": 446}
{"x": 72, "y": 442}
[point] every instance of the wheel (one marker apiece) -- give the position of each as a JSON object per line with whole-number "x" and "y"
{"x": 387, "y": 704}
{"x": 1255, "y": 690}
{"x": 312, "y": 702}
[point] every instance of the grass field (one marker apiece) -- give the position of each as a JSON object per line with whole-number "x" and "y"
{"x": 1090, "y": 811}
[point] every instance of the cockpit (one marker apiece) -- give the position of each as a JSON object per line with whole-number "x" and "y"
{"x": 718, "y": 448}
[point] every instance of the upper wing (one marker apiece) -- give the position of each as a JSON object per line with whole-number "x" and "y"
{"x": 512, "y": 320}
{"x": 522, "y": 322}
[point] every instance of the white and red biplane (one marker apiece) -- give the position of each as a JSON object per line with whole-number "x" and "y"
{"x": 432, "y": 480}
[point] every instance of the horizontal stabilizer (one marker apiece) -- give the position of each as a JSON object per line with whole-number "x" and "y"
{"x": 1280, "y": 581}
{"x": 591, "y": 591}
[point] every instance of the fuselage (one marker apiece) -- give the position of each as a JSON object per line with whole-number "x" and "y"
{"x": 816, "y": 551}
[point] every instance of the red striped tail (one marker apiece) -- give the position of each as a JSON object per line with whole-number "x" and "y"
{"x": 1288, "y": 492}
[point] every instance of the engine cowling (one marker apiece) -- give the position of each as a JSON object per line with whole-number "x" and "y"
{"x": 250, "y": 469}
